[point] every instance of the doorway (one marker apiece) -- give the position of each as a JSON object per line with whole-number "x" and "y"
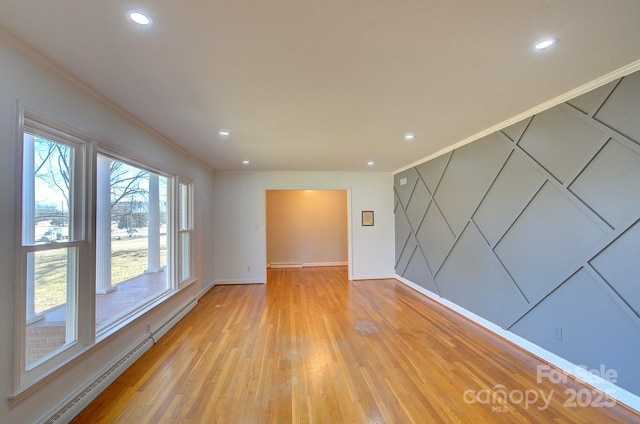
{"x": 307, "y": 228}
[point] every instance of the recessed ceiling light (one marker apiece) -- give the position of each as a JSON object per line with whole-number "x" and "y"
{"x": 371, "y": 163}
{"x": 245, "y": 162}
{"x": 224, "y": 133}
{"x": 409, "y": 136}
{"x": 545, "y": 44}
{"x": 140, "y": 18}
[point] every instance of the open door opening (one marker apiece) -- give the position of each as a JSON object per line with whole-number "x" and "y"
{"x": 307, "y": 228}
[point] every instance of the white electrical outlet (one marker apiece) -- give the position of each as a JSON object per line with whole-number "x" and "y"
{"x": 557, "y": 333}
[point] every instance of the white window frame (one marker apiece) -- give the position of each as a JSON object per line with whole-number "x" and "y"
{"x": 80, "y": 227}
{"x": 26, "y": 382}
{"x": 120, "y": 156}
{"x": 183, "y": 282}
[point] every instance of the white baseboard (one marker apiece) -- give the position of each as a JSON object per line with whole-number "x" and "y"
{"x": 373, "y": 277}
{"x": 205, "y": 290}
{"x": 107, "y": 375}
{"x": 312, "y": 264}
{"x": 278, "y": 265}
{"x": 618, "y": 393}
{"x": 238, "y": 281}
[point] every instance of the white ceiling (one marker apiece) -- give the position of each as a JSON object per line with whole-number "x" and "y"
{"x": 327, "y": 85}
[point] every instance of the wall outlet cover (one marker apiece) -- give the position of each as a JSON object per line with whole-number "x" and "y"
{"x": 557, "y": 333}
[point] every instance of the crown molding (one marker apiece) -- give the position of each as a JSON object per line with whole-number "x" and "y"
{"x": 585, "y": 88}
{"x": 41, "y": 59}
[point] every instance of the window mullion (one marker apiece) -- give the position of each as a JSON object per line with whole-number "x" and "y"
{"x": 87, "y": 255}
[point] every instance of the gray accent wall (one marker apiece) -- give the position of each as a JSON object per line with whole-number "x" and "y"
{"x": 536, "y": 228}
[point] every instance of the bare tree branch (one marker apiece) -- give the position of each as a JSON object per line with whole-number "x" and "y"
{"x": 54, "y": 169}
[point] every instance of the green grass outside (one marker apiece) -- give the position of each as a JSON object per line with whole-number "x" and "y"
{"x": 128, "y": 259}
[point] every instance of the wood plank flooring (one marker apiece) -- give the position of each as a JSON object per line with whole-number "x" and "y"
{"x": 313, "y": 347}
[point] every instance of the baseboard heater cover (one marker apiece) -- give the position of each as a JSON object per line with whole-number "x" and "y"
{"x": 83, "y": 398}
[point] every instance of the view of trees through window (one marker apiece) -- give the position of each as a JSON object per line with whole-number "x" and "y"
{"x": 130, "y": 220}
{"x": 47, "y": 233}
{"x": 131, "y": 240}
{"x": 93, "y": 220}
{"x": 52, "y": 194}
{"x": 131, "y": 245}
{"x": 129, "y": 202}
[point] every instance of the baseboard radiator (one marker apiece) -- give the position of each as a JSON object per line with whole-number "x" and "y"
{"x": 85, "y": 395}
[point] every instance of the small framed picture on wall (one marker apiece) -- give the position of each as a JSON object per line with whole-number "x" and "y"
{"x": 367, "y": 218}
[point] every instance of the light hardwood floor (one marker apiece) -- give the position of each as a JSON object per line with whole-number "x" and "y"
{"x": 311, "y": 346}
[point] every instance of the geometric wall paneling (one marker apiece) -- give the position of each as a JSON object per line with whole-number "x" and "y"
{"x": 514, "y": 132}
{"x": 594, "y": 327}
{"x": 403, "y": 232}
{"x": 405, "y": 256}
{"x": 404, "y": 190}
{"x": 418, "y": 272}
{"x": 471, "y": 170}
{"x": 560, "y": 142}
{"x": 538, "y": 224}
{"x": 418, "y": 203}
{"x": 598, "y": 186}
{"x": 473, "y": 278}
{"x": 619, "y": 266}
{"x": 589, "y": 102}
{"x": 515, "y": 186}
{"x": 431, "y": 171}
{"x": 620, "y": 111}
{"x": 396, "y": 201}
{"x": 434, "y": 238}
{"x": 549, "y": 240}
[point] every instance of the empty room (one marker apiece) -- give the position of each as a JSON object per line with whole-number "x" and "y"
{"x": 330, "y": 212}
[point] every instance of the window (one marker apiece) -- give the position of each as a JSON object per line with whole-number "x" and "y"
{"x": 73, "y": 289}
{"x": 131, "y": 239}
{"x": 52, "y": 246}
{"x": 185, "y": 232}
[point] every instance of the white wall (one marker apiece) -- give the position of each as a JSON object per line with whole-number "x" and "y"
{"x": 24, "y": 77}
{"x": 240, "y": 235}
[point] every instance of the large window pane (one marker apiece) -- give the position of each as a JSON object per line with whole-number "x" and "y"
{"x": 50, "y": 272}
{"x": 131, "y": 239}
{"x": 54, "y": 280}
{"x": 47, "y": 190}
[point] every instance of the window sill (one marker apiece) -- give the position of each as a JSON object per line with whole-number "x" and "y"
{"x": 124, "y": 322}
{"x": 186, "y": 283}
